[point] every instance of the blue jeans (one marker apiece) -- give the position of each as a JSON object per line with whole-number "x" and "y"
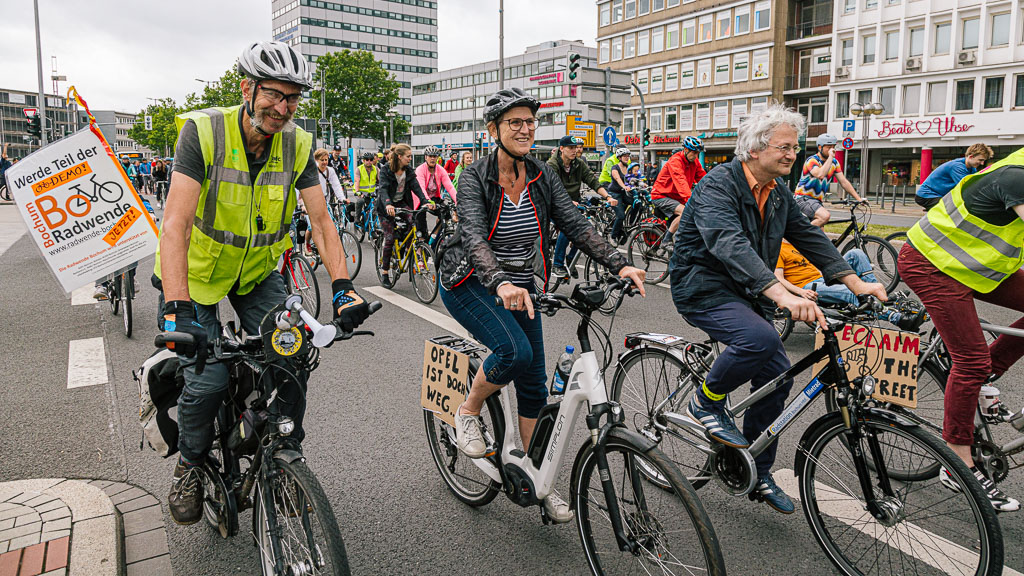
{"x": 624, "y": 199}
{"x": 839, "y": 293}
{"x": 754, "y": 353}
{"x": 203, "y": 393}
{"x": 516, "y": 342}
{"x": 560, "y": 247}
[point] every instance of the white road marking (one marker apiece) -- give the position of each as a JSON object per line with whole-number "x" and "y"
{"x": 87, "y": 363}
{"x": 12, "y": 226}
{"x": 83, "y": 296}
{"x": 429, "y": 314}
{"x": 840, "y": 506}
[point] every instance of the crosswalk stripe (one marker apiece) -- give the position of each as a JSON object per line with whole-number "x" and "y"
{"x": 87, "y": 363}
{"x": 83, "y": 296}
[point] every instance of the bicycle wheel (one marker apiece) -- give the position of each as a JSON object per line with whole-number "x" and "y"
{"x": 378, "y": 252}
{"x": 641, "y": 384}
{"x": 925, "y": 527}
{"x": 896, "y": 237}
{"x": 883, "y": 259}
{"x": 307, "y": 534}
{"x": 302, "y": 281}
{"x": 5, "y": 194}
{"x": 645, "y": 251}
{"x": 127, "y": 293}
{"x": 669, "y": 532}
{"x": 783, "y": 324}
{"x": 353, "y": 253}
{"x": 114, "y": 295}
{"x": 423, "y": 272}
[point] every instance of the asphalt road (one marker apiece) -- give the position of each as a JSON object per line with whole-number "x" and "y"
{"x": 365, "y": 440}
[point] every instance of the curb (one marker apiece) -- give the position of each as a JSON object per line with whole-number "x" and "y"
{"x": 70, "y": 527}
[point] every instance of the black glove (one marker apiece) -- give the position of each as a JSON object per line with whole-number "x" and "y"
{"x": 349, "y": 307}
{"x": 180, "y": 316}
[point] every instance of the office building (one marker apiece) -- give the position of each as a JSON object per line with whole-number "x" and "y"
{"x": 14, "y": 122}
{"x": 115, "y": 127}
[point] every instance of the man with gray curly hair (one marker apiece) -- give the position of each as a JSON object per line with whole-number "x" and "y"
{"x": 723, "y": 280}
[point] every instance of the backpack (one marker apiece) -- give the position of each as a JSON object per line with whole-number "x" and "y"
{"x": 160, "y": 380}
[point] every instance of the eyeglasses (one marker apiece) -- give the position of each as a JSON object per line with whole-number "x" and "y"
{"x": 786, "y": 149}
{"x": 517, "y": 124}
{"x": 275, "y": 96}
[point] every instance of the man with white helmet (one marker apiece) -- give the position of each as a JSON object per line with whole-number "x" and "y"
{"x": 237, "y": 172}
{"x": 820, "y": 171}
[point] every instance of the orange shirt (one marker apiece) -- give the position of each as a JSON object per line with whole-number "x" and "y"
{"x": 796, "y": 269}
{"x": 760, "y": 192}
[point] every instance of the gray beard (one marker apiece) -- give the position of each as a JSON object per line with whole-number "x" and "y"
{"x": 256, "y": 121}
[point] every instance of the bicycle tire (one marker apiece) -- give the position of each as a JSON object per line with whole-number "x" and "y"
{"x": 896, "y": 236}
{"x": 5, "y": 193}
{"x": 423, "y": 273}
{"x": 639, "y": 396}
{"x": 644, "y": 249}
{"x": 126, "y": 303}
{"x": 883, "y": 259}
{"x": 114, "y": 296}
{"x": 594, "y": 271}
{"x": 783, "y": 324}
{"x": 973, "y": 522}
{"x": 297, "y": 493}
{"x": 302, "y": 281}
{"x": 353, "y": 253}
{"x": 694, "y": 542}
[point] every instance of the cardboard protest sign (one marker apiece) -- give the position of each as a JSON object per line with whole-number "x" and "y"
{"x": 81, "y": 210}
{"x": 888, "y": 355}
{"x": 445, "y": 380}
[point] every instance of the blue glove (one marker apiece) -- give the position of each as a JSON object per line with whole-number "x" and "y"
{"x": 350, "y": 310}
{"x": 180, "y": 316}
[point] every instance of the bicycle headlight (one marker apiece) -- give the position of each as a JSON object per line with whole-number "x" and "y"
{"x": 868, "y": 385}
{"x": 285, "y": 426}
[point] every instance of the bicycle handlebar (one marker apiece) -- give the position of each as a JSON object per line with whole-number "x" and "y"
{"x": 551, "y": 301}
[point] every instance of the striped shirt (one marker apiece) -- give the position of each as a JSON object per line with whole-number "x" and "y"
{"x": 515, "y": 234}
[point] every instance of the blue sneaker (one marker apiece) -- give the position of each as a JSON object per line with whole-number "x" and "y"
{"x": 767, "y": 491}
{"x": 716, "y": 422}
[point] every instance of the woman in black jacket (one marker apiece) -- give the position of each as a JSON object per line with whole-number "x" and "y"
{"x": 396, "y": 183}
{"x": 505, "y": 203}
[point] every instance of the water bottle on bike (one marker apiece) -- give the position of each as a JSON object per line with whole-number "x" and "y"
{"x": 562, "y": 369}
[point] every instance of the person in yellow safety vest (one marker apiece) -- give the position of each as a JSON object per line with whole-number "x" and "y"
{"x": 365, "y": 185}
{"x": 226, "y": 223}
{"x": 969, "y": 247}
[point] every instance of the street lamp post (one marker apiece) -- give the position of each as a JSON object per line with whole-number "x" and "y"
{"x": 391, "y": 131}
{"x": 209, "y": 83}
{"x": 39, "y": 68}
{"x": 472, "y": 104}
{"x": 865, "y": 111}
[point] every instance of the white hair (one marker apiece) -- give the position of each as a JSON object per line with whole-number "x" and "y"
{"x": 756, "y": 130}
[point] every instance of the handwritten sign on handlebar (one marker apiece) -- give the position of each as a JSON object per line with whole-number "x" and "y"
{"x": 888, "y": 355}
{"x": 445, "y": 380}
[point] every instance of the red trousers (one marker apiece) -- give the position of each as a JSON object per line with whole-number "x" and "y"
{"x": 951, "y": 306}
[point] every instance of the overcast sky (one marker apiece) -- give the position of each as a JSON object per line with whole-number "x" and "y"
{"x": 118, "y": 53}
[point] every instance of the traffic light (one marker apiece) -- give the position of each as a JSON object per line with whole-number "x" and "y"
{"x": 149, "y": 122}
{"x": 35, "y": 127}
{"x": 647, "y": 136}
{"x": 574, "y": 64}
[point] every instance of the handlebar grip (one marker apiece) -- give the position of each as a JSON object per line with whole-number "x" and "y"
{"x": 164, "y": 338}
{"x": 374, "y": 306}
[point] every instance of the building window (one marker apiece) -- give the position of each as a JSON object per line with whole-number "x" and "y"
{"x": 630, "y": 9}
{"x": 760, "y": 64}
{"x": 657, "y": 5}
{"x": 970, "y": 36}
{"x": 720, "y": 118}
{"x": 606, "y": 14}
{"x": 657, "y": 40}
{"x": 994, "y": 93}
{"x": 869, "y": 50}
{"x": 740, "y": 67}
{"x": 689, "y": 32}
{"x": 942, "y": 38}
{"x": 864, "y": 96}
{"x": 813, "y": 108}
{"x": 704, "y": 116}
{"x": 656, "y": 76}
{"x": 686, "y": 76}
{"x": 1000, "y": 29}
{"x": 739, "y": 110}
{"x": 616, "y": 11}
{"x": 892, "y": 46}
{"x": 672, "y": 36}
{"x": 762, "y": 15}
{"x": 704, "y": 73}
{"x": 723, "y": 24}
{"x": 870, "y": 4}
{"x": 916, "y": 42}
{"x": 655, "y": 120}
{"x": 887, "y": 97}
{"x": 842, "y": 104}
{"x": 722, "y": 70}
{"x": 1018, "y": 94}
{"x": 671, "y": 78}
{"x": 673, "y": 3}
{"x": 617, "y": 48}
{"x": 742, "y": 14}
{"x": 964, "y": 95}
{"x": 849, "y": 6}
{"x": 627, "y": 123}
{"x": 643, "y": 43}
{"x": 670, "y": 119}
{"x": 685, "y": 118}
{"x": 846, "y": 51}
{"x": 602, "y": 56}
{"x": 705, "y": 28}
{"x": 641, "y": 81}
{"x": 629, "y": 47}
{"x": 911, "y": 100}
{"x": 645, "y": 7}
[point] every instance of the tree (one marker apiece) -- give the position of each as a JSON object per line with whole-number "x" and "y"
{"x": 164, "y": 133}
{"x": 358, "y": 94}
{"x": 224, "y": 93}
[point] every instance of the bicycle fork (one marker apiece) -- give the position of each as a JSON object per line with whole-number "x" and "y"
{"x": 599, "y": 436}
{"x": 878, "y": 509}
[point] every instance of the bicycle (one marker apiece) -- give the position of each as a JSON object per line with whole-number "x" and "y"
{"x": 5, "y": 193}
{"x": 855, "y": 466}
{"x": 353, "y": 253}
{"x": 368, "y": 220}
{"x": 109, "y": 192}
{"x": 297, "y": 271}
{"x": 120, "y": 292}
{"x": 882, "y": 255}
{"x": 592, "y": 270}
{"x": 411, "y": 253}
{"x": 293, "y": 525}
{"x": 649, "y": 248}
{"x": 639, "y": 209}
{"x": 655, "y": 528}
{"x": 161, "y": 191}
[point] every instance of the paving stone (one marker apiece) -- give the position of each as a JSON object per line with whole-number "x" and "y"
{"x": 18, "y": 510}
{"x": 5, "y": 524}
{"x": 101, "y": 484}
{"x": 56, "y": 514}
{"x": 116, "y": 488}
{"x": 142, "y": 520}
{"x": 39, "y": 500}
{"x": 26, "y": 519}
{"x": 159, "y": 566}
{"x": 61, "y": 524}
{"x": 6, "y": 505}
{"x": 45, "y": 536}
{"x": 32, "y": 560}
{"x": 57, "y": 572}
{"x": 17, "y": 531}
{"x": 146, "y": 545}
{"x": 23, "y": 497}
{"x": 51, "y": 505}
{"x": 84, "y": 500}
{"x": 9, "y": 563}
{"x": 3, "y": 546}
{"x": 57, "y": 554}
{"x": 138, "y": 503}
{"x": 23, "y": 541}
{"x": 127, "y": 495}
{"x": 95, "y": 550}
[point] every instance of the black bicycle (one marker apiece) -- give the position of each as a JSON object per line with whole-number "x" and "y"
{"x": 879, "y": 251}
{"x": 253, "y": 462}
{"x": 120, "y": 293}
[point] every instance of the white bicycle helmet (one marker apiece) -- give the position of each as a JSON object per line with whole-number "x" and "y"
{"x": 270, "y": 60}
{"x": 622, "y": 152}
{"x": 431, "y": 151}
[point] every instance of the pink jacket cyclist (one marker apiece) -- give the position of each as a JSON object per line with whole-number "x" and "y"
{"x": 433, "y": 178}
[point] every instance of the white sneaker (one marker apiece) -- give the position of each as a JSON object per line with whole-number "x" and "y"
{"x": 1000, "y": 501}
{"x": 468, "y": 434}
{"x": 558, "y": 510}
{"x": 100, "y": 293}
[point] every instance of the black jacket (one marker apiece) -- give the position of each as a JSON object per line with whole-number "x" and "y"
{"x": 480, "y": 196}
{"x": 388, "y": 192}
{"x": 579, "y": 173}
{"x": 725, "y": 253}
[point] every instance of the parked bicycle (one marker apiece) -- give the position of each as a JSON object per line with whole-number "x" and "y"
{"x": 253, "y": 463}
{"x": 625, "y": 527}
{"x": 882, "y": 255}
{"x": 409, "y": 252}
{"x": 859, "y": 468}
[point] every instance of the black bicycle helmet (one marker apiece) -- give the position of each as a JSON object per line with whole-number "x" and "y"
{"x": 504, "y": 100}
{"x": 369, "y": 155}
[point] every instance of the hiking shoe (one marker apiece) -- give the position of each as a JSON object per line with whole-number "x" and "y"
{"x": 767, "y": 491}
{"x": 1000, "y": 501}
{"x": 560, "y": 271}
{"x": 185, "y": 500}
{"x": 100, "y": 293}
{"x": 557, "y": 510}
{"x": 468, "y": 435}
{"x": 718, "y": 424}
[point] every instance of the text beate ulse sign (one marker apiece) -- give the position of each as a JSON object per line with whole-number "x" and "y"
{"x": 890, "y": 356}
{"x": 445, "y": 380}
{"x": 81, "y": 210}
